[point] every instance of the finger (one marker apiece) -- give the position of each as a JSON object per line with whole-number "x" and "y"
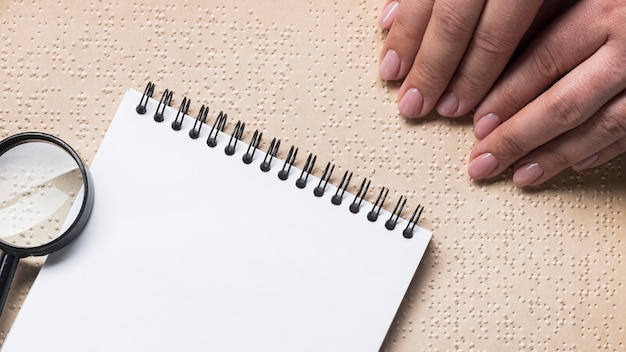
{"x": 404, "y": 39}
{"x": 546, "y": 14}
{"x": 603, "y": 135}
{"x": 501, "y": 27}
{"x": 567, "y": 104}
{"x": 447, "y": 36}
{"x": 611, "y": 152}
{"x": 388, "y": 14}
{"x": 557, "y": 50}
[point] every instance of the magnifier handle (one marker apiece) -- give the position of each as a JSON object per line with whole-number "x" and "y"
{"x": 8, "y": 266}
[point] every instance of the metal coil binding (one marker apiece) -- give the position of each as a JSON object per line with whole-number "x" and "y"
{"x": 289, "y": 162}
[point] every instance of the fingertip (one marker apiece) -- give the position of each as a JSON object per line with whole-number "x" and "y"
{"x": 448, "y": 104}
{"x": 389, "y": 66}
{"x": 482, "y": 166}
{"x": 388, "y": 15}
{"x": 527, "y": 174}
{"x": 411, "y": 103}
{"x": 486, "y": 124}
{"x": 586, "y": 163}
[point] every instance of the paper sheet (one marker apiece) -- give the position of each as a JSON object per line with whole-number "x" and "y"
{"x": 190, "y": 249}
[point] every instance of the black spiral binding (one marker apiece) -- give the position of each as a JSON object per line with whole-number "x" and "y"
{"x": 194, "y": 132}
{"x": 218, "y": 126}
{"x": 166, "y": 99}
{"x": 252, "y": 147}
{"x": 177, "y": 124}
{"x": 343, "y": 185}
{"x": 234, "y": 137}
{"x": 358, "y": 198}
{"x": 408, "y": 230}
{"x": 147, "y": 94}
{"x": 306, "y": 171}
{"x": 284, "y": 172}
{"x": 266, "y": 165}
{"x": 391, "y": 223}
{"x": 382, "y": 195}
{"x": 321, "y": 186}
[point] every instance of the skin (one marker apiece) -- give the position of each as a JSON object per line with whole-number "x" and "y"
{"x": 548, "y": 92}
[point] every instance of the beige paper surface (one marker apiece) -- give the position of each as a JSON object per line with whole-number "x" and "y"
{"x": 539, "y": 269}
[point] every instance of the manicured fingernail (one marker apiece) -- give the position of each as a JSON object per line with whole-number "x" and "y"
{"x": 527, "y": 174}
{"x": 448, "y": 104}
{"x": 486, "y": 124}
{"x": 585, "y": 163}
{"x": 390, "y": 66}
{"x": 411, "y": 103}
{"x": 482, "y": 166}
{"x": 389, "y": 13}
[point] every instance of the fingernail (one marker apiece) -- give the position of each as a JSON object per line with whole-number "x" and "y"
{"x": 486, "y": 125}
{"x": 389, "y": 13}
{"x": 527, "y": 174}
{"x": 482, "y": 166}
{"x": 411, "y": 103}
{"x": 390, "y": 66}
{"x": 448, "y": 104}
{"x": 585, "y": 163}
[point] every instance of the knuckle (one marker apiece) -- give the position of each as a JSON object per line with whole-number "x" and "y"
{"x": 453, "y": 23}
{"x": 404, "y": 26}
{"x": 405, "y": 31}
{"x": 470, "y": 86}
{"x": 612, "y": 126}
{"x": 492, "y": 44}
{"x": 614, "y": 61}
{"x": 511, "y": 146}
{"x": 430, "y": 76}
{"x": 546, "y": 63}
{"x": 475, "y": 80}
{"x": 512, "y": 97}
{"x": 559, "y": 158}
{"x": 564, "y": 111}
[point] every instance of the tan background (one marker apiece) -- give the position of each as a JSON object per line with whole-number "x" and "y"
{"x": 507, "y": 269}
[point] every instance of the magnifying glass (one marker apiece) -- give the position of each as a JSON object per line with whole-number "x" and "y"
{"x": 46, "y": 197}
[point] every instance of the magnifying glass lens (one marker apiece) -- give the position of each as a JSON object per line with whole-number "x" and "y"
{"x": 41, "y": 193}
{"x": 46, "y": 197}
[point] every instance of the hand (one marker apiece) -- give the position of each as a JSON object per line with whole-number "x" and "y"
{"x": 450, "y": 52}
{"x": 457, "y": 48}
{"x": 561, "y": 103}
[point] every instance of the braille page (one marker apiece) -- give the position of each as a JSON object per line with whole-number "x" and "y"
{"x": 540, "y": 268}
{"x": 189, "y": 249}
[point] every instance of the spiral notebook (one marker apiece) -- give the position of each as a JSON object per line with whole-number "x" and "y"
{"x": 201, "y": 241}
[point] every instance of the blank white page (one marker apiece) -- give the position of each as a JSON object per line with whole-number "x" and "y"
{"x": 189, "y": 249}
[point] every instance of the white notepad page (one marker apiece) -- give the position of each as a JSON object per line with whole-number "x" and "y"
{"x": 189, "y": 249}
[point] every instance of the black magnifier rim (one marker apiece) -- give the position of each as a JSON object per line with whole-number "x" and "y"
{"x": 85, "y": 209}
